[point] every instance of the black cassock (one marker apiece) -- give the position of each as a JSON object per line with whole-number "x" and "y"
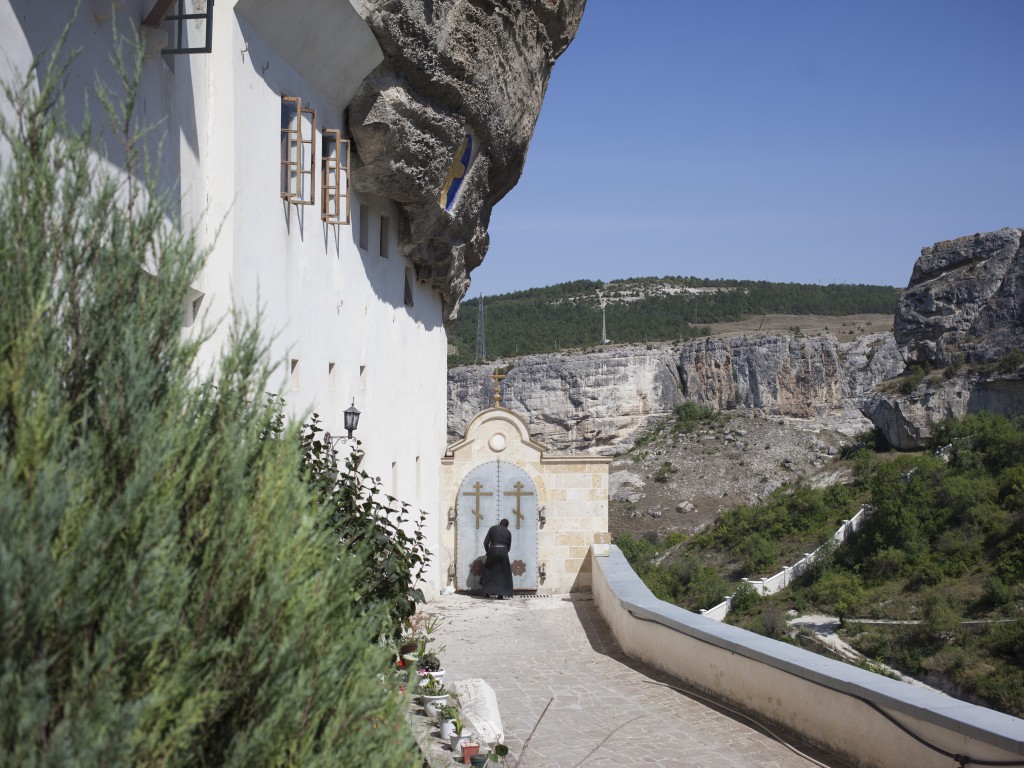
{"x": 497, "y": 578}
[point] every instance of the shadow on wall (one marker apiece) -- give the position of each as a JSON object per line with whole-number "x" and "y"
{"x": 91, "y": 38}
{"x": 390, "y": 275}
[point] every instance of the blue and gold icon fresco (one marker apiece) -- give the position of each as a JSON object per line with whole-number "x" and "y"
{"x": 456, "y": 174}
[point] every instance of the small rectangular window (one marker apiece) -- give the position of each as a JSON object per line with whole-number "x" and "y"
{"x": 189, "y": 30}
{"x": 334, "y": 184}
{"x": 293, "y": 373}
{"x": 385, "y": 236}
{"x": 364, "y": 226}
{"x": 298, "y": 154}
{"x": 193, "y": 302}
{"x": 332, "y": 380}
{"x": 362, "y": 377}
{"x": 410, "y": 277}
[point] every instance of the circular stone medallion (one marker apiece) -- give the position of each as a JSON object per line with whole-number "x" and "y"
{"x": 497, "y": 442}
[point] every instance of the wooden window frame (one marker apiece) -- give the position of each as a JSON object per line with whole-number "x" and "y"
{"x": 298, "y": 152}
{"x": 335, "y": 205}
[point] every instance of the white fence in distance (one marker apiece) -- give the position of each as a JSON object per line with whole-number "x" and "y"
{"x": 785, "y": 577}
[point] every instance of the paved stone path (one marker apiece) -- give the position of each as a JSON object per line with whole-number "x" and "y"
{"x": 606, "y": 709}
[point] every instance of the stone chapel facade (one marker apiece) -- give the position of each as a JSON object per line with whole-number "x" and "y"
{"x": 557, "y": 506}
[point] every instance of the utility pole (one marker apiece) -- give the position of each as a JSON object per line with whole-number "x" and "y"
{"x": 481, "y": 350}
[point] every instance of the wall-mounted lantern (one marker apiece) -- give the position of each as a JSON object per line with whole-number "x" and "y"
{"x": 351, "y": 422}
{"x": 351, "y": 418}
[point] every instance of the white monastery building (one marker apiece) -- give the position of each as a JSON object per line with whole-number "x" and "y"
{"x": 250, "y": 101}
{"x": 255, "y": 149}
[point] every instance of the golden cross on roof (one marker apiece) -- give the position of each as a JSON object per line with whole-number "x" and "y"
{"x": 497, "y": 386}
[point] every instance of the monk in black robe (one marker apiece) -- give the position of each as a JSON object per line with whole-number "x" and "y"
{"x": 497, "y": 578}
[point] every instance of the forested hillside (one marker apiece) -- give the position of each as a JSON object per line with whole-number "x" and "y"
{"x": 643, "y": 309}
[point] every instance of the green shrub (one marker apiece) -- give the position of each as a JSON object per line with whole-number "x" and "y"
{"x": 707, "y": 588}
{"x": 840, "y": 592}
{"x": 1011, "y": 361}
{"x": 887, "y": 563}
{"x": 911, "y": 378}
{"x": 170, "y": 592}
{"x": 689, "y": 415}
{"x": 758, "y": 553}
{"x": 940, "y": 617}
{"x": 661, "y": 475}
{"x": 746, "y": 598}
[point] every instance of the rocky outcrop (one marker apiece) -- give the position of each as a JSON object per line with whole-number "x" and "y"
{"x": 960, "y": 328}
{"x": 789, "y": 375}
{"x": 965, "y": 301}
{"x": 453, "y": 68}
{"x": 599, "y": 400}
{"x": 573, "y": 401}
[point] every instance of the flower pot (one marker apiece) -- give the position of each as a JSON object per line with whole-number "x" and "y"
{"x": 457, "y": 740}
{"x": 447, "y": 729}
{"x": 431, "y": 703}
{"x": 478, "y": 759}
{"x": 468, "y": 750}
{"x": 426, "y": 675}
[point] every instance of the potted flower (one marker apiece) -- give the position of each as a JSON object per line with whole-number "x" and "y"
{"x": 451, "y": 723}
{"x": 433, "y": 696}
{"x": 457, "y": 740}
{"x": 429, "y": 666}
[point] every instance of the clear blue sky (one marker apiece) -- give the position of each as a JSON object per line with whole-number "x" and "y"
{"x": 817, "y": 141}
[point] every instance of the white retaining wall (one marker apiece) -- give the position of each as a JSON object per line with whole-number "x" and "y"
{"x": 785, "y": 577}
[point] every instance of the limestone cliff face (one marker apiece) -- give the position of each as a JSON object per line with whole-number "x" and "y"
{"x": 965, "y": 301}
{"x": 573, "y": 402}
{"x": 962, "y": 315}
{"x": 600, "y": 400}
{"x": 793, "y": 376}
{"x": 452, "y": 69}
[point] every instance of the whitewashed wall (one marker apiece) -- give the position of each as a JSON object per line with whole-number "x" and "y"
{"x": 322, "y": 299}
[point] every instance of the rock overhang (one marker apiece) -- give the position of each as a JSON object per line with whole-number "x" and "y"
{"x": 455, "y": 72}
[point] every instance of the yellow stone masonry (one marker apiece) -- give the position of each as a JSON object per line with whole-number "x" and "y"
{"x": 571, "y": 490}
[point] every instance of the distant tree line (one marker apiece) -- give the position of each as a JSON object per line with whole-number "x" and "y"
{"x": 568, "y": 315}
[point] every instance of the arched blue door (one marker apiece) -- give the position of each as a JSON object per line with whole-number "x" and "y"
{"x": 490, "y": 492}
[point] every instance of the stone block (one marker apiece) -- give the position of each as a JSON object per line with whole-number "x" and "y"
{"x": 570, "y": 539}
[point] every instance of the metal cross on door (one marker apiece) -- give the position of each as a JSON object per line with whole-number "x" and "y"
{"x": 490, "y": 492}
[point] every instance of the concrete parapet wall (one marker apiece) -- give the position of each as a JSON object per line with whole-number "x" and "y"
{"x": 845, "y": 710}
